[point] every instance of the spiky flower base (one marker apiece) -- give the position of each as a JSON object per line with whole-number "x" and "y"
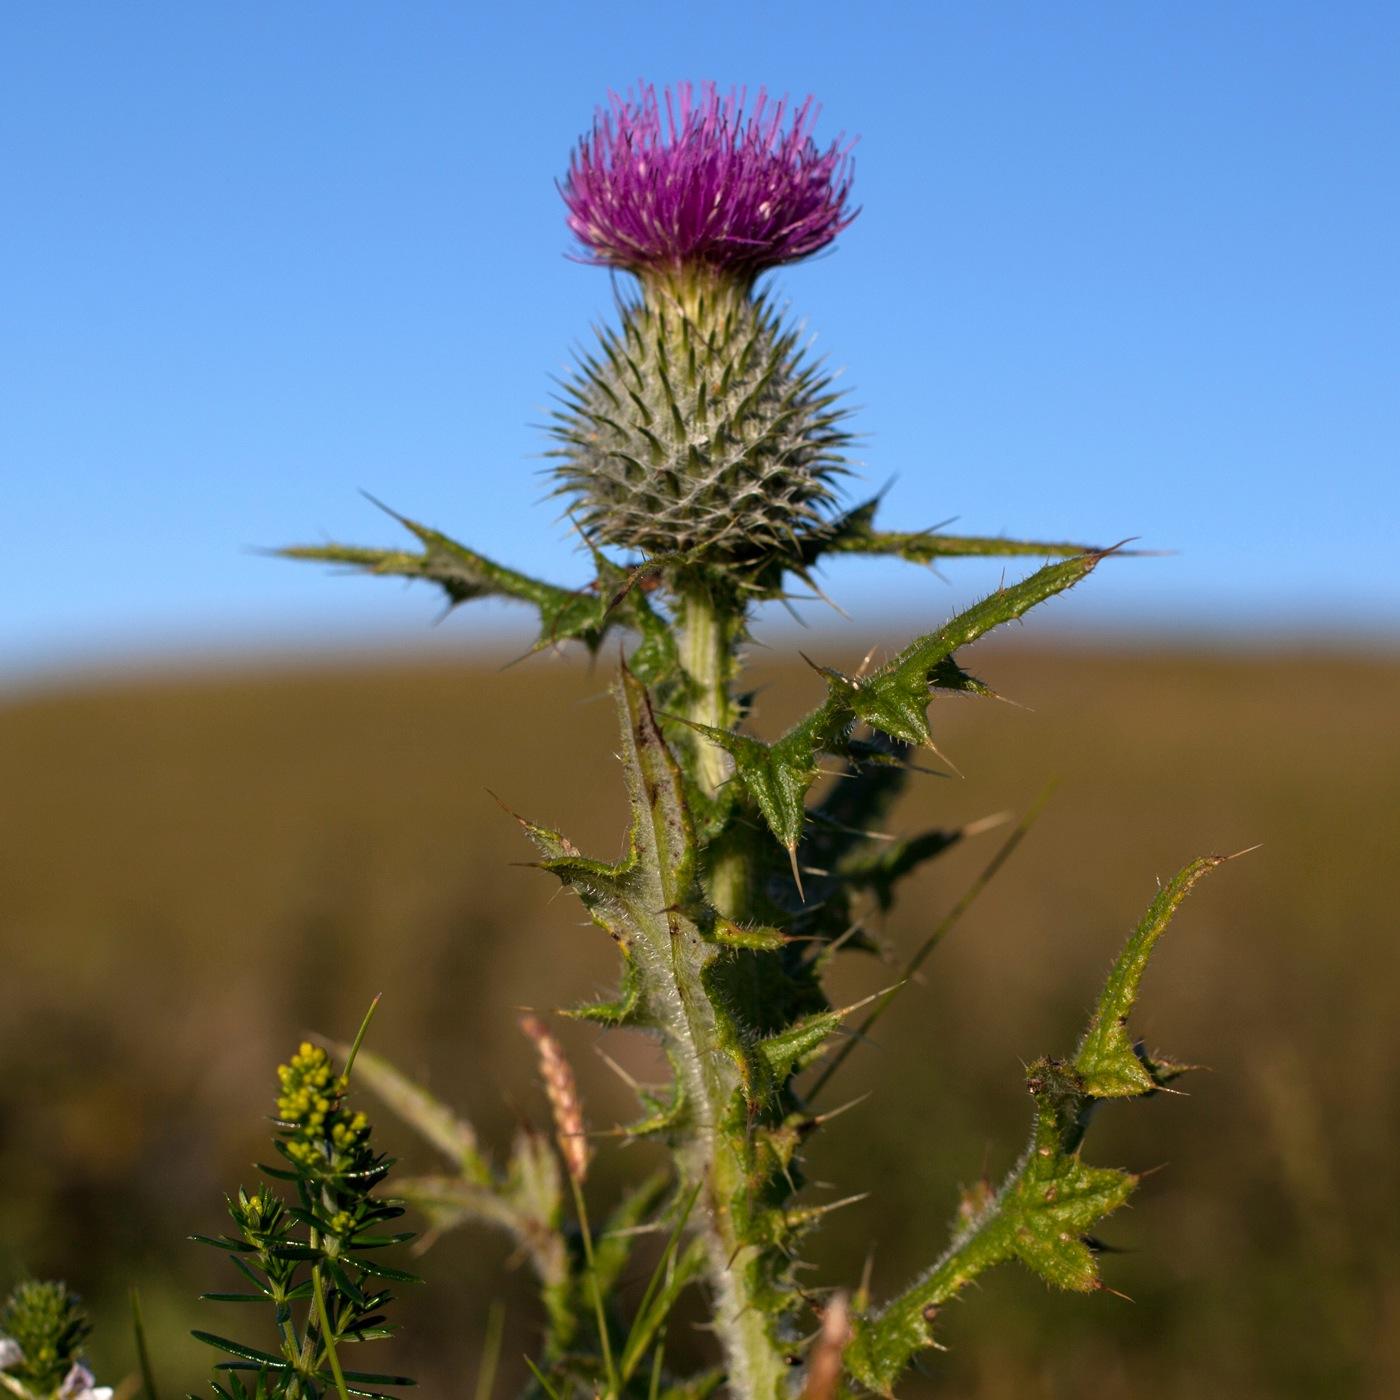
{"x": 700, "y": 429}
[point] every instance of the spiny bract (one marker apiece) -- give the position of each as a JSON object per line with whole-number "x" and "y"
{"x": 700, "y": 429}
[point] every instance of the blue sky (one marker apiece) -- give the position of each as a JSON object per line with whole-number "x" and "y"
{"x": 1122, "y": 269}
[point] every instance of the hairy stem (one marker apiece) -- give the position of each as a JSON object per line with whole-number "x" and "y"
{"x": 712, "y": 625}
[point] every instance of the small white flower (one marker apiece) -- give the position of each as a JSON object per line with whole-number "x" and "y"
{"x": 78, "y": 1385}
{"x": 10, "y": 1354}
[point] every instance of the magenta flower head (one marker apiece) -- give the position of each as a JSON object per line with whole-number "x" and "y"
{"x": 703, "y": 185}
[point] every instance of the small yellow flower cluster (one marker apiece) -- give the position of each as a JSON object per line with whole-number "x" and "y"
{"x": 346, "y": 1132}
{"x": 310, "y": 1103}
{"x": 308, "y": 1087}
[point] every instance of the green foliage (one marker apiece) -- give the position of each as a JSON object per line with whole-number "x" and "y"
{"x": 316, "y": 1259}
{"x": 42, "y": 1329}
{"x": 855, "y": 533}
{"x": 526, "y": 1199}
{"x": 892, "y": 701}
{"x": 616, "y": 598}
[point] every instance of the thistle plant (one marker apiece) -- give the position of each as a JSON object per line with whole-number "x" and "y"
{"x": 699, "y": 453}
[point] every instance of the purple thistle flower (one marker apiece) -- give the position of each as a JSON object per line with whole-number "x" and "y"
{"x": 705, "y": 185}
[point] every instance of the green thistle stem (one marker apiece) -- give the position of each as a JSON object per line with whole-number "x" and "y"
{"x": 757, "y": 1364}
{"x": 712, "y": 625}
{"x": 711, "y": 628}
{"x": 708, "y": 657}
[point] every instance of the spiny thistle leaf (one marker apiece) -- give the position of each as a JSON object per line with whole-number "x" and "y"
{"x": 650, "y": 900}
{"x": 855, "y": 533}
{"x": 585, "y": 615}
{"x": 756, "y": 938}
{"x": 1107, "y": 1060}
{"x": 1050, "y": 1200}
{"x": 798, "y": 1044}
{"x": 663, "y": 1115}
{"x": 624, "y": 1008}
{"x": 893, "y": 700}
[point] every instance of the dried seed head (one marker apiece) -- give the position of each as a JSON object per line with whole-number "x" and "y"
{"x": 564, "y": 1101}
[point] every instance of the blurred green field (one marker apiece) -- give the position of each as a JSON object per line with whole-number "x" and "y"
{"x": 195, "y": 870}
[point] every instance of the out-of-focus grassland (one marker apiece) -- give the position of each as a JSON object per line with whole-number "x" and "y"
{"x": 192, "y": 871}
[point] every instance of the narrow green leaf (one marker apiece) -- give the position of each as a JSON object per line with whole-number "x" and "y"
{"x": 375, "y": 1378}
{"x": 548, "y": 1389}
{"x": 490, "y": 1351}
{"x": 635, "y": 1345}
{"x": 659, "y": 1303}
{"x": 263, "y": 1358}
{"x": 373, "y": 1266}
{"x": 613, "y": 1247}
{"x": 143, "y": 1355}
{"x": 380, "y": 1241}
{"x": 223, "y": 1242}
